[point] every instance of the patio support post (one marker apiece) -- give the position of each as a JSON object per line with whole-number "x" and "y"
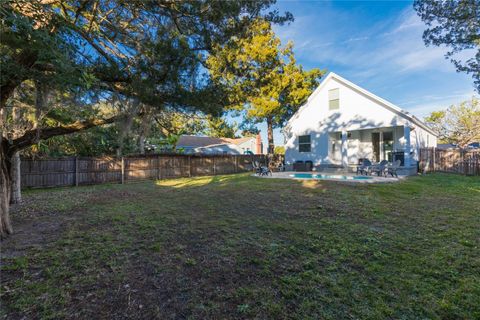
{"x": 344, "y": 149}
{"x": 406, "y": 136}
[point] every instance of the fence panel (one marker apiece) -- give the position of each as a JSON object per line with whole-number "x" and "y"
{"x": 99, "y": 170}
{"x": 71, "y": 171}
{"x": 47, "y": 172}
{"x": 140, "y": 168}
{"x": 450, "y": 160}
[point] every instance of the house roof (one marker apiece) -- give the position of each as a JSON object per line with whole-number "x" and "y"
{"x": 446, "y": 145}
{"x": 386, "y": 104}
{"x": 199, "y": 141}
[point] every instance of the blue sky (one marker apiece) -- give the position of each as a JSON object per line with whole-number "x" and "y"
{"x": 377, "y": 45}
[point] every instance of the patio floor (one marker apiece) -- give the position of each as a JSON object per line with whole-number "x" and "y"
{"x": 347, "y": 177}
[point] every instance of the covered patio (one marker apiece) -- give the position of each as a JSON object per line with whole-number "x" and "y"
{"x": 350, "y": 148}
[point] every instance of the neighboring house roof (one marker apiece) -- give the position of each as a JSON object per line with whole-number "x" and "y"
{"x": 446, "y": 145}
{"x": 473, "y": 145}
{"x": 215, "y": 145}
{"x": 388, "y": 105}
{"x": 199, "y": 141}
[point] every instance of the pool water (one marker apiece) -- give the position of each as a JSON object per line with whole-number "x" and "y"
{"x": 324, "y": 176}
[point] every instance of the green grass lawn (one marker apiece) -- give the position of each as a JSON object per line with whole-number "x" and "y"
{"x": 242, "y": 247}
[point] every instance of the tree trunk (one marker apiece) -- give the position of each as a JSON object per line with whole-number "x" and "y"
{"x": 15, "y": 170}
{"x": 271, "y": 146}
{"x": 16, "y": 196}
{"x": 5, "y": 191}
{"x": 141, "y": 143}
{"x": 145, "y": 124}
{"x": 124, "y": 126}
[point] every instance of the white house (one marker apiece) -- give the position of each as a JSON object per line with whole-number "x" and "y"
{"x": 341, "y": 124}
{"x": 210, "y": 145}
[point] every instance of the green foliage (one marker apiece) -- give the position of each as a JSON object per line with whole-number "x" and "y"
{"x": 459, "y": 124}
{"x": 279, "y": 150}
{"x": 30, "y": 51}
{"x": 262, "y": 77}
{"x": 98, "y": 141}
{"x": 249, "y": 129}
{"x": 455, "y": 24}
{"x": 220, "y": 128}
{"x": 150, "y": 52}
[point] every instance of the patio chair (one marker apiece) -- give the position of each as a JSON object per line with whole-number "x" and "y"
{"x": 260, "y": 170}
{"x": 256, "y": 167}
{"x": 365, "y": 167}
{"x": 392, "y": 169}
{"x": 380, "y": 169}
{"x": 265, "y": 171}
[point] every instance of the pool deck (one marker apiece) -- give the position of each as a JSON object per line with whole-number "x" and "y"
{"x": 374, "y": 179}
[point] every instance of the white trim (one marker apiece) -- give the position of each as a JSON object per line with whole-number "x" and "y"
{"x": 387, "y": 105}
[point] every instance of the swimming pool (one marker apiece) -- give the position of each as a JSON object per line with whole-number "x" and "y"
{"x": 324, "y": 176}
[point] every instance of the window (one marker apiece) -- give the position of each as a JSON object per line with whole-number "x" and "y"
{"x": 304, "y": 143}
{"x": 333, "y": 99}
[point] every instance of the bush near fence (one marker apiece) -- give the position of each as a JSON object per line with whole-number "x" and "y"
{"x": 74, "y": 171}
{"x": 461, "y": 161}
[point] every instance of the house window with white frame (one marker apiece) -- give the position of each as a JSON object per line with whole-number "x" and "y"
{"x": 334, "y": 99}
{"x": 304, "y": 143}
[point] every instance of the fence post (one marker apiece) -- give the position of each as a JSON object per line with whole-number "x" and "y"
{"x": 190, "y": 166}
{"x": 123, "y": 170}
{"x": 434, "y": 159}
{"x": 236, "y": 164}
{"x": 214, "y": 169}
{"x": 77, "y": 174}
{"x": 158, "y": 167}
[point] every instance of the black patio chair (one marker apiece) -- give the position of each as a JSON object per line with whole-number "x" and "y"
{"x": 380, "y": 169}
{"x": 365, "y": 167}
{"x": 261, "y": 170}
{"x": 392, "y": 169}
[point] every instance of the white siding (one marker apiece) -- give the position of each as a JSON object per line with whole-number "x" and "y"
{"x": 357, "y": 111}
{"x": 420, "y": 138}
{"x": 248, "y": 145}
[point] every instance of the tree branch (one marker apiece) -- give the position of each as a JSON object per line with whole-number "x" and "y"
{"x": 31, "y": 137}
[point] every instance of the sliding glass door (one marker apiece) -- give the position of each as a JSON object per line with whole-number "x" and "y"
{"x": 388, "y": 146}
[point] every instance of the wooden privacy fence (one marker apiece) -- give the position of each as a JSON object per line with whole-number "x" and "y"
{"x": 74, "y": 171}
{"x": 450, "y": 160}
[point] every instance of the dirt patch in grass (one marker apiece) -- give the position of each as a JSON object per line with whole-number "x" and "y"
{"x": 240, "y": 247}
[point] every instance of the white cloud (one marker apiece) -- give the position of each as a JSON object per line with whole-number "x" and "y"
{"x": 356, "y": 39}
{"x": 422, "y": 106}
{"x": 396, "y": 49}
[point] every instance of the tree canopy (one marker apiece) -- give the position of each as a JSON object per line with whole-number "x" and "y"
{"x": 455, "y": 24}
{"x": 262, "y": 77}
{"x": 151, "y": 54}
{"x": 459, "y": 124}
